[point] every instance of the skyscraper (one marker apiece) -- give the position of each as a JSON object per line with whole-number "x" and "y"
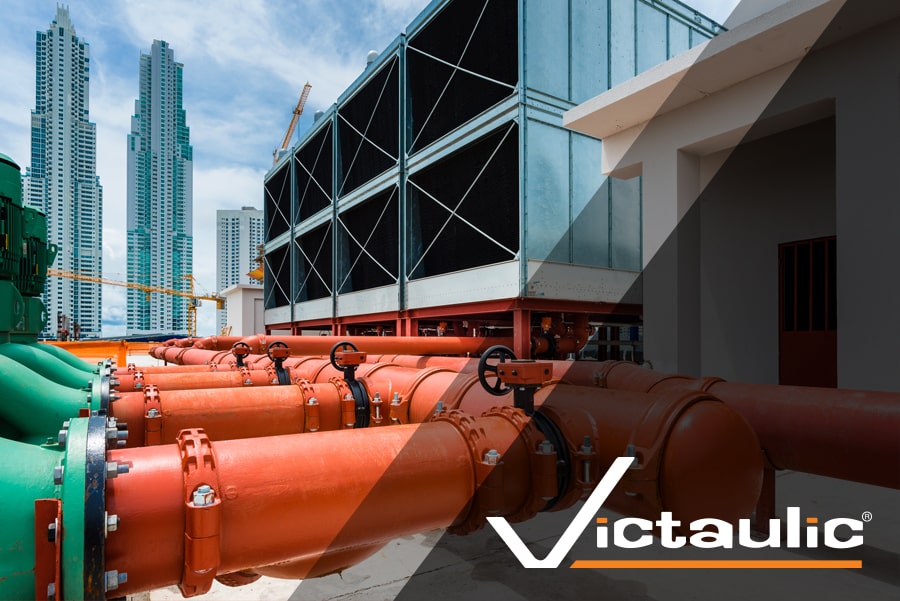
{"x": 238, "y": 234}
{"x": 160, "y": 197}
{"x": 62, "y": 180}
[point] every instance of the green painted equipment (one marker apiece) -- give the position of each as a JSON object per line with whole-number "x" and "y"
{"x": 24, "y": 258}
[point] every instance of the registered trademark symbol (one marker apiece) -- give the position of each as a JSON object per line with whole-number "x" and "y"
{"x": 867, "y": 516}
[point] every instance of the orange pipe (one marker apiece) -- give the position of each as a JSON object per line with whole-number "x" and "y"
{"x": 154, "y": 369}
{"x": 826, "y": 431}
{"x": 279, "y": 498}
{"x": 245, "y": 412}
{"x": 229, "y": 413}
{"x": 419, "y": 345}
{"x": 846, "y": 434}
{"x": 220, "y": 343}
{"x": 180, "y": 380}
{"x": 276, "y": 502}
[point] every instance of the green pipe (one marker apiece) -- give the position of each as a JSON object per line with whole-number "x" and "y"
{"x": 48, "y": 365}
{"x": 35, "y": 406}
{"x": 26, "y": 474}
{"x": 61, "y": 353}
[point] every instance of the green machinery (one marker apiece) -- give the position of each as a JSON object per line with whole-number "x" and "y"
{"x": 24, "y": 258}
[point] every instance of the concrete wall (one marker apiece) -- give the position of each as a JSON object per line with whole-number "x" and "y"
{"x": 244, "y": 309}
{"x": 778, "y": 189}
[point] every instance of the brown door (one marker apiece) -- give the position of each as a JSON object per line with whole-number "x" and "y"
{"x": 807, "y": 345}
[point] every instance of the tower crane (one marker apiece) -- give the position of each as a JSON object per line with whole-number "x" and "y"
{"x": 296, "y": 116}
{"x": 193, "y": 298}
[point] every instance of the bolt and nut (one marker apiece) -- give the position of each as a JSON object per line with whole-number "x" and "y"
{"x": 112, "y": 523}
{"x": 492, "y": 457}
{"x": 58, "y": 471}
{"x": 545, "y": 447}
{"x": 114, "y": 579}
{"x": 204, "y": 496}
{"x": 113, "y": 469}
{"x": 153, "y": 413}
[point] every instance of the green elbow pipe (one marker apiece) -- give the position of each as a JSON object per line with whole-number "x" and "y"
{"x": 35, "y": 406}
{"x": 48, "y": 365}
{"x": 67, "y": 357}
{"x": 26, "y": 474}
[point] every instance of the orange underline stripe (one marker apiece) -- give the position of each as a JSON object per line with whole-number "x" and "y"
{"x": 724, "y": 563}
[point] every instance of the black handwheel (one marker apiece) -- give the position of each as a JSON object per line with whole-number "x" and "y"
{"x": 274, "y": 345}
{"x": 502, "y": 354}
{"x": 244, "y": 351}
{"x": 340, "y": 346}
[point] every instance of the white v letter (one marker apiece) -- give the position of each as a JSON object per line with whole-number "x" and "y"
{"x": 581, "y": 521}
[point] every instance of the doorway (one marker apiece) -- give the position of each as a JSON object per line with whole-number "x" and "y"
{"x": 807, "y": 341}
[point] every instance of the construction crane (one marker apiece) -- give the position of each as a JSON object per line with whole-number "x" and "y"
{"x": 193, "y": 298}
{"x": 294, "y": 118}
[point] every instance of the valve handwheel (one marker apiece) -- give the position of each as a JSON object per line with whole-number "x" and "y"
{"x": 240, "y": 350}
{"x": 274, "y": 345}
{"x": 340, "y": 346}
{"x": 501, "y": 354}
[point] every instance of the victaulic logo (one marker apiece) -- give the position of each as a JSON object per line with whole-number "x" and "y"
{"x": 706, "y": 533}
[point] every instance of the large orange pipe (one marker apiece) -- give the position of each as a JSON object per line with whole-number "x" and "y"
{"x": 322, "y": 345}
{"x": 245, "y": 412}
{"x": 180, "y": 380}
{"x": 826, "y": 431}
{"x": 279, "y": 498}
{"x": 153, "y": 369}
{"x": 277, "y": 501}
{"x": 229, "y": 413}
{"x": 846, "y": 434}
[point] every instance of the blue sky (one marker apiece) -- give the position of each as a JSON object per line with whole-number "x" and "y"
{"x": 245, "y": 63}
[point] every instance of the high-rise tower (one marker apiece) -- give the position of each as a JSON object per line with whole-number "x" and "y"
{"x": 238, "y": 236}
{"x": 160, "y": 171}
{"x": 62, "y": 180}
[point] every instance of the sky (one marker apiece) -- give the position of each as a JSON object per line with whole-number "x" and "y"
{"x": 245, "y": 63}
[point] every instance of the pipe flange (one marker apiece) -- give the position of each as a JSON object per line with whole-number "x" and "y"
{"x": 83, "y": 478}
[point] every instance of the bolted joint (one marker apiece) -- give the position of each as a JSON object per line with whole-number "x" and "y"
{"x": 545, "y": 447}
{"x": 51, "y": 591}
{"x": 63, "y": 436}
{"x": 153, "y": 413}
{"x": 204, "y": 496}
{"x": 58, "y": 471}
{"x": 51, "y": 532}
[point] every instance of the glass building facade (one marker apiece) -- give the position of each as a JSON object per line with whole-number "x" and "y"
{"x": 62, "y": 180}
{"x": 160, "y": 198}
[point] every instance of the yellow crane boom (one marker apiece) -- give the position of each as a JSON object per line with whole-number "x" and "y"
{"x": 192, "y": 306}
{"x": 294, "y": 118}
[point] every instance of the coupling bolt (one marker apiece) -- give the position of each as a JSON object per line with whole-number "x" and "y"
{"x": 204, "y": 495}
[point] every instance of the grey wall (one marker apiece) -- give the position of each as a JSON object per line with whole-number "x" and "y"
{"x": 774, "y": 190}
